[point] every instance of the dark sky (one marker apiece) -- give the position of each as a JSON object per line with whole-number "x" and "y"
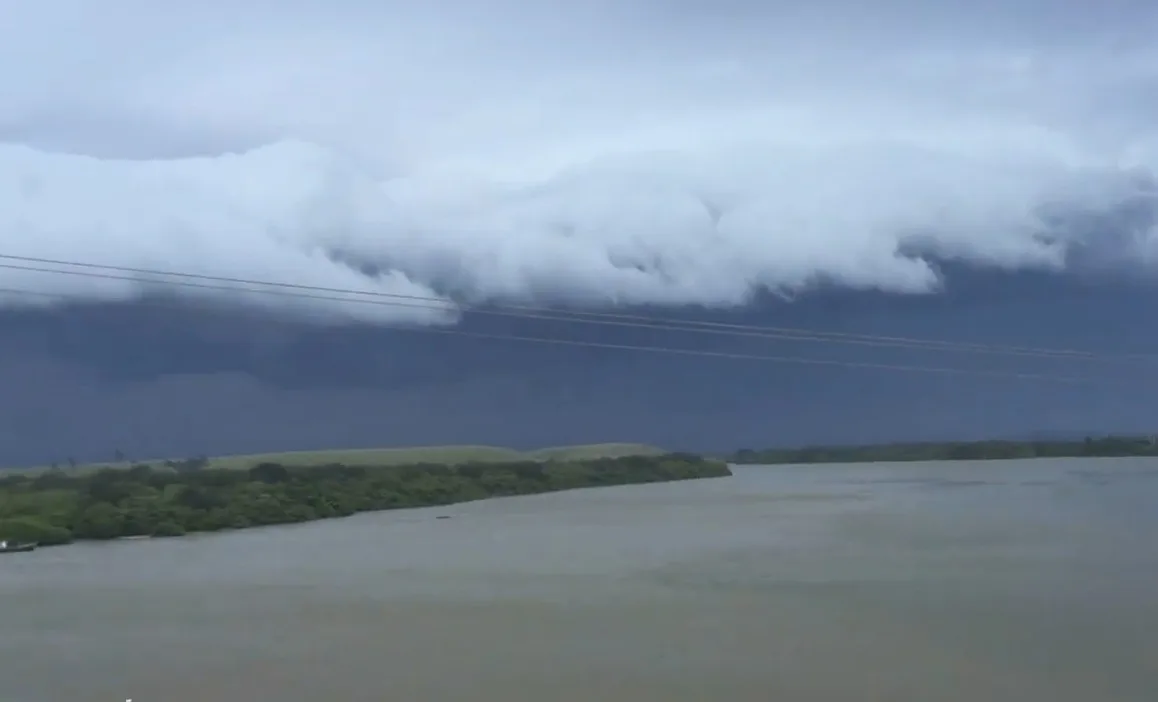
{"x": 161, "y": 381}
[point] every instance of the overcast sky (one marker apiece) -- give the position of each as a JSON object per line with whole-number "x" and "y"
{"x": 627, "y": 152}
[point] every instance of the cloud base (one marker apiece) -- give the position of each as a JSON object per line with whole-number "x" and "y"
{"x": 430, "y": 159}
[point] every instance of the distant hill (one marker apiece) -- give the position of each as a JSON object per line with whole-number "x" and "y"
{"x": 401, "y": 456}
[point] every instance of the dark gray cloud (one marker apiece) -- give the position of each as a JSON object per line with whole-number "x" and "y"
{"x": 87, "y": 382}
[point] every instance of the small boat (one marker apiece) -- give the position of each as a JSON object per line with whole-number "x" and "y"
{"x": 14, "y": 547}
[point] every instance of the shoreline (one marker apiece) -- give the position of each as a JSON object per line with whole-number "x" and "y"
{"x": 143, "y": 502}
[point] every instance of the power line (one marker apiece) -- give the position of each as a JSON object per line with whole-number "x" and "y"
{"x": 664, "y": 349}
{"x": 805, "y": 334}
{"x": 532, "y": 312}
{"x": 435, "y": 304}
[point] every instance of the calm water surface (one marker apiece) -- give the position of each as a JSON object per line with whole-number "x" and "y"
{"x": 953, "y": 582}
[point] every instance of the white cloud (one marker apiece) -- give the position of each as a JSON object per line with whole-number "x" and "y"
{"x": 630, "y": 152}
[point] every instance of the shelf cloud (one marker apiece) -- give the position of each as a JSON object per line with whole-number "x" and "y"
{"x": 599, "y": 153}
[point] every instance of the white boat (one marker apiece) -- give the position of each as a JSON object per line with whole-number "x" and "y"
{"x": 7, "y": 546}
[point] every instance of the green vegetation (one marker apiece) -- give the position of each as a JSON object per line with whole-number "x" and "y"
{"x": 55, "y": 507}
{"x": 1107, "y": 446}
{"x": 449, "y": 455}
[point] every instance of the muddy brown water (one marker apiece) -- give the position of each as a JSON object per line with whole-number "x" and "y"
{"x": 1018, "y": 581}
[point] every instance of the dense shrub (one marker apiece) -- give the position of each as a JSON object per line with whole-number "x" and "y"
{"x": 142, "y": 501}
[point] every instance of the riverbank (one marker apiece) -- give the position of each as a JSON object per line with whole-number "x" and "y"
{"x": 57, "y": 507}
{"x": 1089, "y": 447}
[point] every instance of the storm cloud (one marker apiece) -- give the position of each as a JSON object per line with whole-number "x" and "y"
{"x": 594, "y": 153}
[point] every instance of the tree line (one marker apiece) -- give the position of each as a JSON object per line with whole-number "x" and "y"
{"x": 172, "y": 499}
{"x": 1101, "y": 447}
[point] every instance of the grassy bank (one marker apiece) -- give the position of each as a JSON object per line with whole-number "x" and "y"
{"x": 57, "y": 507}
{"x": 1090, "y": 447}
{"x": 448, "y": 455}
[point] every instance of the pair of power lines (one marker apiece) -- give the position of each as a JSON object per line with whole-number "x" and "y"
{"x": 178, "y": 280}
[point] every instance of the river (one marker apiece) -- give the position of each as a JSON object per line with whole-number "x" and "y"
{"x": 1018, "y": 581}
